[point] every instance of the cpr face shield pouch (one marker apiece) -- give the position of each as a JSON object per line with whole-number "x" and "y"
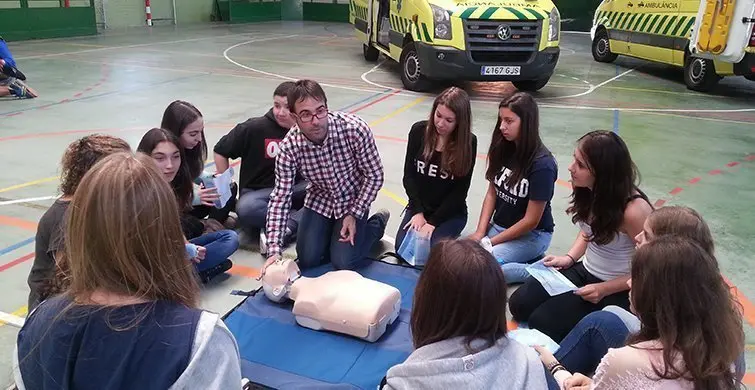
{"x": 415, "y": 248}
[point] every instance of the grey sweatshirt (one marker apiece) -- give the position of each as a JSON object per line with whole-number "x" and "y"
{"x": 447, "y": 364}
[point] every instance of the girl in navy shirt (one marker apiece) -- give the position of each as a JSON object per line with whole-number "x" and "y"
{"x": 440, "y": 158}
{"x": 130, "y": 318}
{"x": 522, "y": 174}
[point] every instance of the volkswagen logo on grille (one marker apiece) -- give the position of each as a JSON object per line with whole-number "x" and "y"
{"x": 504, "y": 32}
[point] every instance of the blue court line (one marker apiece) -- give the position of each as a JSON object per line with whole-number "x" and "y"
{"x": 368, "y": 98}
{"x": 30, "y": 240}
{"x": 16, "y": 246}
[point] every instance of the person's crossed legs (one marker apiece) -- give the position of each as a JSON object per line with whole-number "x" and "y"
{"x": 319, "y": 240}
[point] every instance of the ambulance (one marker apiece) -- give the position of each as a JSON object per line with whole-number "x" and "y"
{"x": 468, "y": 40}
{"x": 708, "y": 39}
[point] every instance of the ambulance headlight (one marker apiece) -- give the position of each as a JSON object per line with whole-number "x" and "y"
{"x": 554, "y": 25}
{"x": 442, "y": 22}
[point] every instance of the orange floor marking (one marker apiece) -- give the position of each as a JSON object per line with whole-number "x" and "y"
{"x": 19, "y": 223}
{"x": 240, "y": 270}
{"x": 748, "y": 307}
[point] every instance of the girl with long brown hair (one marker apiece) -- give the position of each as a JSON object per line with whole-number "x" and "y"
{"x": 130, "y": 317}
{"x": 590, "y": 340}
{"x": 440, "y": 159}
{"x": 186, "y": 122}
{"x": 610, "y": 211}
{"x": 217, "y": 246}
{"x": 691, "y": 325}
{"x": 516, "y": 213}
{"x": 458, "y": 326}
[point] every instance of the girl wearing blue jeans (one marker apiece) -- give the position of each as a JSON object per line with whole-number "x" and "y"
{"x": 440, "y": 159}
{"x": 209, "y": 251}
{"x": 522, "y": 173}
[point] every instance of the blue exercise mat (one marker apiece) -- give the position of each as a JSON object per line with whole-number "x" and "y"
{"x": 277, "y": 352}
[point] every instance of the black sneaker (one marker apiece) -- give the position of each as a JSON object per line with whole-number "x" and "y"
{"x": 207, "y": 275}
{"x": 12, "y": 71}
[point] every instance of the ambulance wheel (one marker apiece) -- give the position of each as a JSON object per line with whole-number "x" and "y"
{"x": 601, "y": 47}
{"x": 530, "y": 85}
{"x": 750, "y": 77}
{"x": 700, "y": 74}
{"x": 411, "y": 75}
{"x": 370, "y": 53}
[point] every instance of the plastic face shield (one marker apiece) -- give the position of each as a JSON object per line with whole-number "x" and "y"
{"x": 278, "y": 278}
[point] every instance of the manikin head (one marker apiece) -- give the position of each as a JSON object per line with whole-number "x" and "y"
{"x": 278, "y": 278}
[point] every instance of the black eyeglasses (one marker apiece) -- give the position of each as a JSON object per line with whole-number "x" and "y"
{"x": 307, "y": 116}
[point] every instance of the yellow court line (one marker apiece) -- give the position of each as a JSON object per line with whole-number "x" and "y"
{"x": 28, "y": 184}
{"x": 18, "y": 313}
{"x": 397, "y": 198}
{"x": 397, "y": 111}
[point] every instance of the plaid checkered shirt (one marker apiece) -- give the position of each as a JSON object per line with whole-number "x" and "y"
{"x": 344, "y": 173}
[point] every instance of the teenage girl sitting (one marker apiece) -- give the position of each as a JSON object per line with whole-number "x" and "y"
{"x": 440, "y": 159}
{"x": 610, "y": 211}
{"x": 130, "y": 318}
{"x": 586, "y": 344}
{"x": 458, "y": 326}
{"x": 48, "y": 274}
{"x": 185, "y": 121}
{"x": 522, "y": 173}
{"x": 691, "y": 326}
{"x": 165, "y": 150}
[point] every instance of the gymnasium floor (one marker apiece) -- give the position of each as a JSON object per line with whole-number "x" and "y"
{"x": 691, "y": 149}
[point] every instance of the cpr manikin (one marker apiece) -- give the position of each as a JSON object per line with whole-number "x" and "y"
{"x": 338, "y": 301}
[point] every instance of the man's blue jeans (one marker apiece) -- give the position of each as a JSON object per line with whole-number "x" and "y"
{"x": 318, "y": 240}
{"x": 219, "y": 247}
{"x": 252, "y": 207}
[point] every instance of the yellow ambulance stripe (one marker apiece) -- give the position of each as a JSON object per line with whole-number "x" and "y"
{"x": 661, "y": 24}
{"x": 497, "y": 13}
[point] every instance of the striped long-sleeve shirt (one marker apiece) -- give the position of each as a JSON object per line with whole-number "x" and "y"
{"x": 344, "y": 173}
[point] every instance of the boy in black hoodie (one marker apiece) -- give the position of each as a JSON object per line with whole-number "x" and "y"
{"x": 256, "y": 141}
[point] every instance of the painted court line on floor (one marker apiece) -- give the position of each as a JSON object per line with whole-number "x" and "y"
{"x": 677, "y": 190}
{"x": 27, "y": 200}
{"x": 133, "y": 46}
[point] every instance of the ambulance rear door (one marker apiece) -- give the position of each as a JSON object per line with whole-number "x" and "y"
{"x": 722, "y": 29}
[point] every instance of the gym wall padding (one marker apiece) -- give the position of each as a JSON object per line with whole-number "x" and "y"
{"x": 245, "y": 11}
{"x": 326, "y": 12}
{"x": 253, "y": 11}
{"x": 34, "y": 20}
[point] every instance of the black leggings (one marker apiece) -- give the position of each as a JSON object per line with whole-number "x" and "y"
{"x": 556, "y": 316}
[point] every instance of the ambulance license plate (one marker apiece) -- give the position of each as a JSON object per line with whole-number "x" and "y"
{"x": 501, "y": 70}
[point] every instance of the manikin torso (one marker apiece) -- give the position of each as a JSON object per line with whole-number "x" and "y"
{"x": 339, "y": 301}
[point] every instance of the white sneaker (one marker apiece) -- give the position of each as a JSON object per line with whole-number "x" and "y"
{"x": 263, "y": 243}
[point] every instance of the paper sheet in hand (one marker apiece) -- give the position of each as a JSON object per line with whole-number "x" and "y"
{"x": 533, "y": 337}
{"x": 553, "y": 282}
{"x": 223, "y": 186}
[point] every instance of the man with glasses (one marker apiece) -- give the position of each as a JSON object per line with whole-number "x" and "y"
{"x": 336, "y": 153}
